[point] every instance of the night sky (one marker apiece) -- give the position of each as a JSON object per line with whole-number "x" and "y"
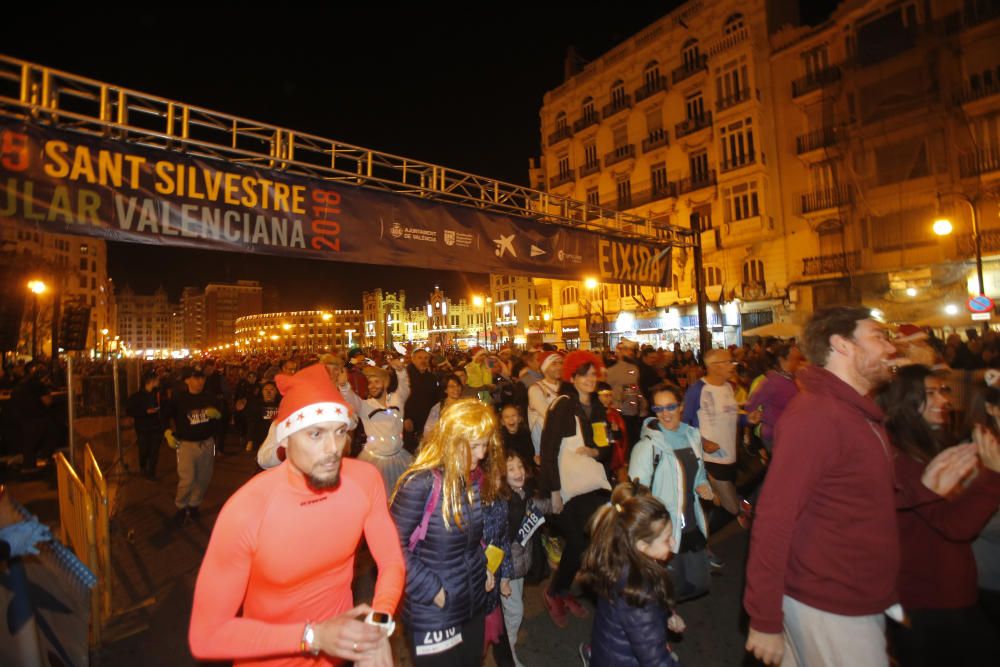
{"x": 461, "y": 88}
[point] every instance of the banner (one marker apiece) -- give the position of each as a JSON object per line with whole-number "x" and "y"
{"x": 68, "y": 183}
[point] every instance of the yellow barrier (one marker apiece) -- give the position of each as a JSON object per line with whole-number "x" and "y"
{"x": 77, "y": 530}
{"x": 97, "y": 489}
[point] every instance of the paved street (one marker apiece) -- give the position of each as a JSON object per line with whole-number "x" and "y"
{"x": 153, "y": 558}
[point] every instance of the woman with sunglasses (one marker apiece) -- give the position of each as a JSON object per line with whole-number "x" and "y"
{"x": 668, "y": 459}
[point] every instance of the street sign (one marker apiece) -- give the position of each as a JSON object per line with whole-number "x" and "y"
{"x": 980, "y": 304}
{"x": 980, "y": 316}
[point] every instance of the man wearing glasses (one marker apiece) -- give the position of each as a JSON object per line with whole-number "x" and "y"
{"x": 710, "y": 406}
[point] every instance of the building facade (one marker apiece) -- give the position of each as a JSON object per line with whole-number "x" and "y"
{"x": 304, "y": 331}
{"x": 146, "y": 323}
{"x": 816, "y": 159}
{"x": 675, "y": 121}
{"x": 891, "y": 119}
{"x": 210, "y": 314}
{"x": 74, "y": 268}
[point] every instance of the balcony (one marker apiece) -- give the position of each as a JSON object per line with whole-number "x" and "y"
{"x": 561, "y": 178}
{"x": 980, "y": 92}
{"x": 824, "y": 137}
{"x": 728, "y": 101}
{"x": 980, "y": 13}
{"x": 696, "y": 182}
{"x": 816, "y": 80}
{"x": 618, "y": 154}
{"x": 820, "y": 200}
{"x": 842, "y": 262}
{"x": 650, "y": 88}
{"x": 979, "y": 162}
{"x": 588, "y": 118}
{"x": 561, "y": 133}
{"x": 590, "y": 168}
{"x": 989, "y": 242}
{"x": 618, "y": 104}
{"x": 739, "y": 160}
{"x": 690, "y": 68}
{"x": 729, "y": 41}
{"x": 658, "y": 192}
{"x": 692, "y": 125}
{"x": 656, "y": 139}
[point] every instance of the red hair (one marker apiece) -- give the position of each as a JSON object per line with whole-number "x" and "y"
{"x": 577, "y": 358}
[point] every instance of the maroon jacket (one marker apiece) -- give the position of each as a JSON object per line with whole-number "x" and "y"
{"x": 825, "y": 530}
{"x": 938, "y": 569}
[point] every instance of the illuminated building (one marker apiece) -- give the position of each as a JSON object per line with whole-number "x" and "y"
{"x": 295, "y": 332}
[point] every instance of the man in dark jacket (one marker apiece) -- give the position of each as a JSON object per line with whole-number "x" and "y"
{"x": 144, "y": 408}
{"x": 425, "y": 391}
{"x": 829, "y": 500}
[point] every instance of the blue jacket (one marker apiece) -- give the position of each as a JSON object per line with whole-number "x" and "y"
{"x": 452, "y": 559}
{"x": 667, "y": 485}
{"x": 627, "y": 636}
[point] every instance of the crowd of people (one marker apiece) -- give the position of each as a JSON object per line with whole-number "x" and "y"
{"x": 471, "y": 474}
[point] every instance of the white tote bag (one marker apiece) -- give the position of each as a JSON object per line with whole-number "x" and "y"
{"x": 578, "y": 473}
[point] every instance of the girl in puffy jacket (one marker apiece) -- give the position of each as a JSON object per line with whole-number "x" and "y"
{"x": 630, "y": 541}
{"x": 438, "y": 510}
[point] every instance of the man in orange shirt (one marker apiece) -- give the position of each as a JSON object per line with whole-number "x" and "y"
{"x": 283, "y": 548}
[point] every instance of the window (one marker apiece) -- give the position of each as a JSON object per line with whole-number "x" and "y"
{"x": 712, "y": 275}
{"x": 694, "y": 106}
{"x": 651, "y": 73}
{"x": 902, "y": 229}
{"x": 593, "y": 196}
{"x": 561, "y": 121}
{"x": 902, "y": 161}
{"x": 588, "y": 107}
{"x": 620, "y": 135}
{"x": 570, "y": 294}
{"x": 704, "y": 212}
{"x": 624, "y": 189}
{"x": 83, "y": 248}
{"x": 732, "y": 84}
{"x": 93, "y": 282}
{"x": 654, "y": 120}
{"x": 699, "y": 166}
{"x": 83, "y": 282}
{"x": 625, "y": 291}
{"x": 690, "y": 54}
{"x": 823, "y": 176}
{"x": 658, "y": 177}
{"x": 740, "y": 202}
{"x": 814, "y": 61}
{"x": 590, "y": 154}
{"x": 733, "y": 23}
{"x": 83, "y": 263}
{"x": 618, "y": 94}
{"x": 564, "y": 166}
{"x": 753, "y": 272}
{"x": 737, "y": 143}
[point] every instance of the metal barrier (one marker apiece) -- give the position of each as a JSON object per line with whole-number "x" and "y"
{"x": 97, "y": 490}
{"x": 77, "y": 530}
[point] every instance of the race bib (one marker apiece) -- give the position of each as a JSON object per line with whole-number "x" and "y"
{"x": 198, "y": 416}
{"x": 438, "y": 641}
{"x": 531, "y": 523}
{"x": 269, "y": 413}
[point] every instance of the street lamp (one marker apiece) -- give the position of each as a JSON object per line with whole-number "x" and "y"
{"x": 36, "y": 287}
{"x": 944, "y": 227}
{"x": 592, "y": 284}
{"x": 104, "y": 342}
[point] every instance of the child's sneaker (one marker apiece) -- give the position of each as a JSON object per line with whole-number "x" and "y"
{"x": 585, "y": 654}
{"x": 556, "y": 608}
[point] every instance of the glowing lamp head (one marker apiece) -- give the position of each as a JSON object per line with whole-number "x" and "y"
{"x": 37, "y": 286}
{"x": 590, "y": 283}
{"x": 943, "y": 227}
{"x": 951, "y": 309}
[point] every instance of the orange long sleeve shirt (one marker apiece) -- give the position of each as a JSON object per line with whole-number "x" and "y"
{"x": 285, "y": 554}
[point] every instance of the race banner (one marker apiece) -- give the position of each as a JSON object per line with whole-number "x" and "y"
{"x": 68, "y": 183}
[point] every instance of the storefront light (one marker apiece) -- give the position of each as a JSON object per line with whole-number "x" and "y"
{"x": 625, "y": 321}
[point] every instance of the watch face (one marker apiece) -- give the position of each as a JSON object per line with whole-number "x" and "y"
{"x": 380, "y": 617}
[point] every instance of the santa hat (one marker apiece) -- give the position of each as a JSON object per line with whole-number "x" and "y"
{"x": 909, "y": 333}
{"x": 308, "y": 397}
{"x": 578, "y": 358}
{"x": 546, "y": 358}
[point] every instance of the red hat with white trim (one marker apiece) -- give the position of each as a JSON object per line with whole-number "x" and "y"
{"x": 546, "y": 358}
{"x": 308, "y": 397}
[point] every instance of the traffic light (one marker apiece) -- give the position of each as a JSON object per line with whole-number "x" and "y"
{"x": 75, "y": 325}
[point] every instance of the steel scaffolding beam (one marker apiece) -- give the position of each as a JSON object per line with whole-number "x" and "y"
{"x": 35, "y": 93}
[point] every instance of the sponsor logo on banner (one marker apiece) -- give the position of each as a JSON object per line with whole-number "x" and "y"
{"x": 536, "y": 251}
{"x": 449, "y": 237}
{"x": 396, "y": 230}
{"x": 568, "y": 257}
{"x": 457, "y": 239}
{"x": 505, "y": 244}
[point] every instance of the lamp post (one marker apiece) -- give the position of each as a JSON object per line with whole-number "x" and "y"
{"x": 36, "y": 287}
{"x": 104, "y": 342}
{"x": 479, "y": 302}
{"x": 592, "y": 284}
{"x": 944, "y": 227}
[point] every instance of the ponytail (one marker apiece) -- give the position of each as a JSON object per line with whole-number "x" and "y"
{"x": 615, "y": 529}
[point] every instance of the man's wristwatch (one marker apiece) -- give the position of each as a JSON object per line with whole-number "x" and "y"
{"x": 308, "y": 643}
{"x": 382, "y": 620}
